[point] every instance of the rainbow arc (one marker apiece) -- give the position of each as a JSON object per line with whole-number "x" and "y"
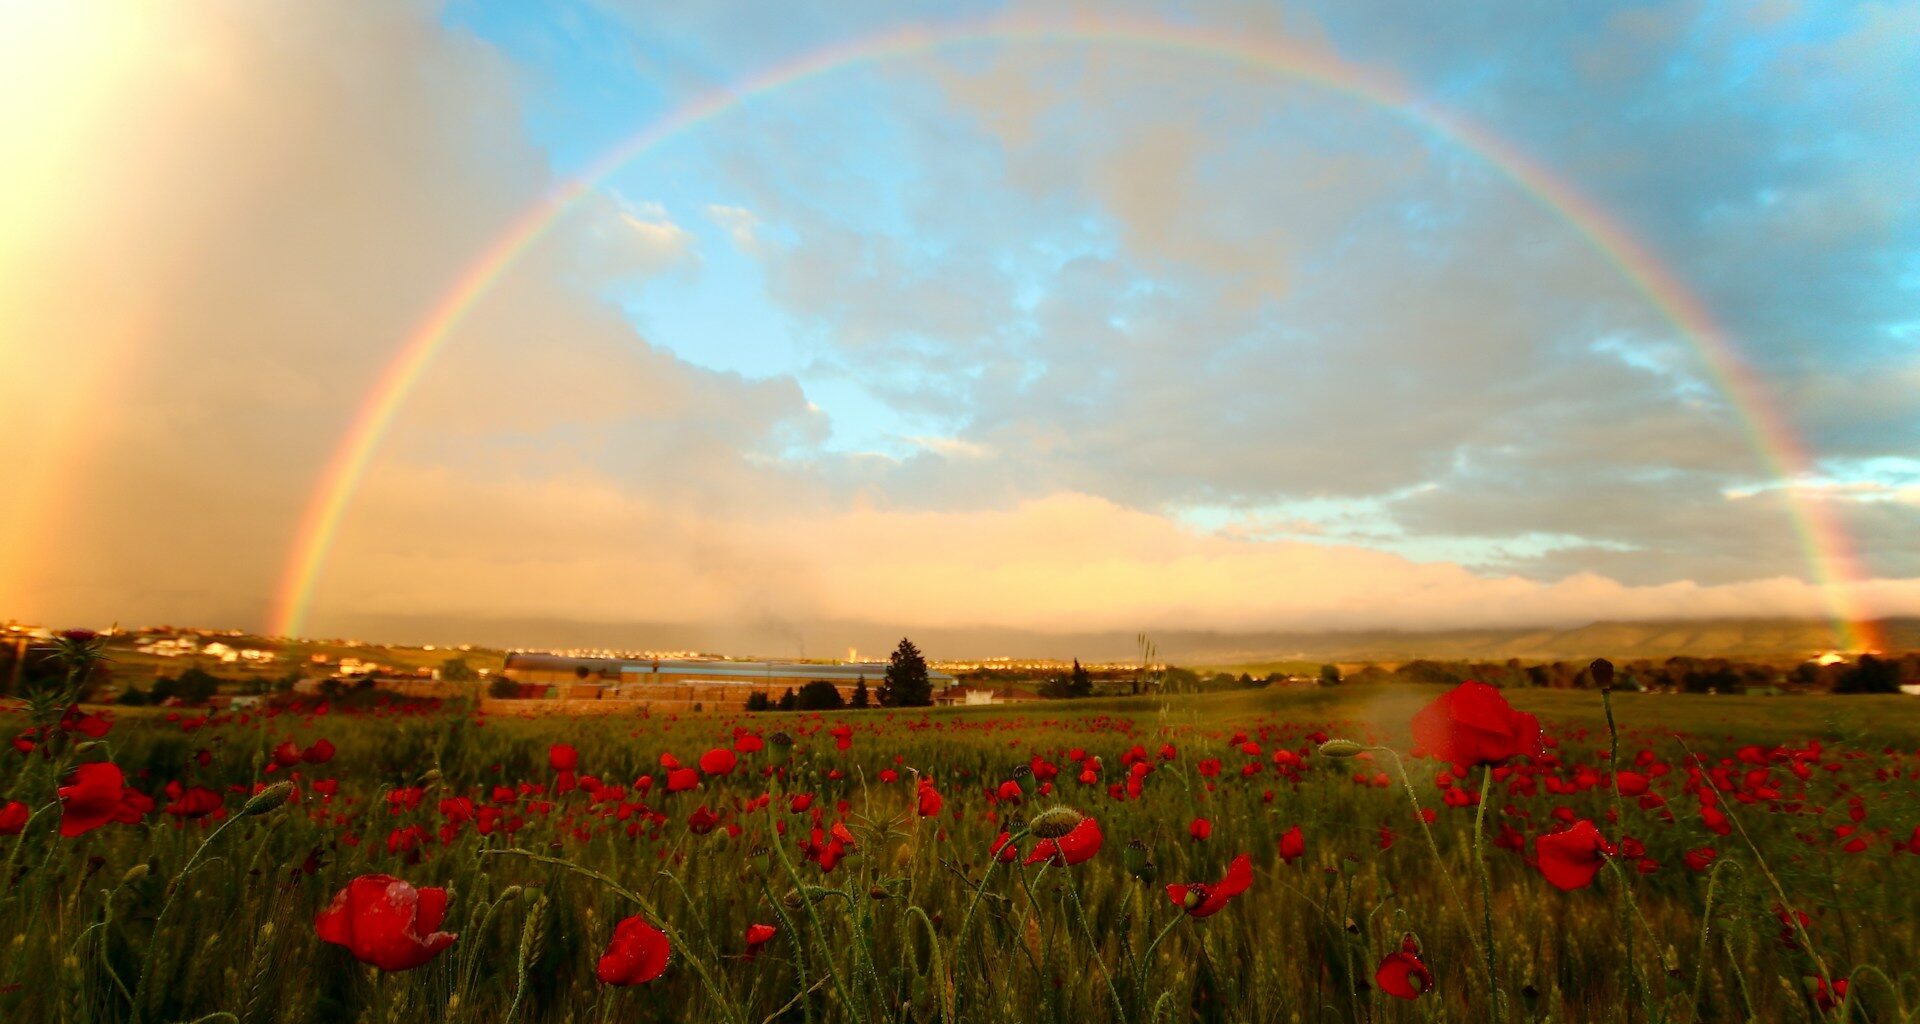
{"x": 1826, "y": 547}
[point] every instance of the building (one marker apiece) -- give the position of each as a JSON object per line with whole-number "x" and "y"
{"x": 980, "y": 696}
{"x": 707, "y": 683}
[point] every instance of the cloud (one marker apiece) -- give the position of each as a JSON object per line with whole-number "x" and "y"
{"x": 1062, "y": 563}
{"x": 952, "y": 447}
{"x": 1099, "y": 292}
{"x": 739, "y": 223}
{"x": 219, "y": 244}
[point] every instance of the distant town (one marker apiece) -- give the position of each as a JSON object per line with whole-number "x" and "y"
{"x": 172, "y": 665}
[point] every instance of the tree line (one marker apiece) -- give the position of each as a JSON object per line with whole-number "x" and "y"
{"x": 906, "y": 684}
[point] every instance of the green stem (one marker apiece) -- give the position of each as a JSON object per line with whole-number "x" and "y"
{"x": 1073, "y": 889}
{"x": 673, "y": 936}
{"x": 160, "y": 920}
{"x": 1439, "y": 862}
{"x": 1486, "y": 891}
{"x": 1706, "y": 927}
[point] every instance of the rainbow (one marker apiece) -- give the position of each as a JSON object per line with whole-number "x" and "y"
{"x": 1826, "y": 546}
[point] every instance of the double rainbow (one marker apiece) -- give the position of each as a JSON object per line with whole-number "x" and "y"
{"x": 1827, "y": 548}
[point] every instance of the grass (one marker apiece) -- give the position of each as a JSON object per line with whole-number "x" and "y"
{"x": 879, "y": 937}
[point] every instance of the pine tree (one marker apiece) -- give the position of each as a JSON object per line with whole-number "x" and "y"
{"x": 860, "y": 697}
{"x": 906, "y": 685}
{"x": 1080, "y": 684}
{"x": 789, "y": 700}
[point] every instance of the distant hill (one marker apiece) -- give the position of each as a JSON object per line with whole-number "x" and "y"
{"x": 1766, "y": 639}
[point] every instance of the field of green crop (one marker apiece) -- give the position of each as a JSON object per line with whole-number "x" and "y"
{"x": 840, "y": 867}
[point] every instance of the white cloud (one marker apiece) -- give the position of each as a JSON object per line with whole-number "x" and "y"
{"x": 740, "y": 224}
{"x": 952, "y": 447}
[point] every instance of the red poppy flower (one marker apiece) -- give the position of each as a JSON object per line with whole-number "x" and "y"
{"x": 287, "y": 754}
{"x": 1829, "y": 999}
{"x": 702, "y": 821}
{"x": 1473, "y": 724}
{"x": 1003, "y": 849}
{"x": 929, "y": 801}
{"x": 1700, "y": 859}
{"x": 1076, "y": 847}
{"x": 682, "y": 779}
{"x": 1293, "y": 845}
{"x": 718, "y": 761}
{"x": 320, "y": 753}
{"x": 638, "y": 953}
{"x": 13, "y": 818}
{"x": 96, "y": 794}
{"x": 1200, "y": 900}
{"x": 563, "y": 758}
{"x": 386, "y": 922}
{"x": 1570, "y": 858}
{"x": 759, "y": 935}
{"x": 91, "y": 726}
{"x": 192, "y": 802}
{"x": 1200, "y": 828}
{"x": 1402, "y": 975}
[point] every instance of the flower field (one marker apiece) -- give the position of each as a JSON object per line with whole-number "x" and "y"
{"x": 1322, "y": 855}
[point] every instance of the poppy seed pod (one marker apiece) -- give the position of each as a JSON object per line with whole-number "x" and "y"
{"x": 1055, "y": 822}
{"x": 780, "y": 739}
{"x": 268, "y": 799}
{"x": 1602, "y": 670}
{"x": 1139, "y": 863}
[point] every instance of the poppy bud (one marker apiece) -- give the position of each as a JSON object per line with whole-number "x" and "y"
{"x": 432, "y": 775}
{"x": 1055, "y": 822}
{"x": 268, "y": 799}
{"x": 879, "y": 892}
{"x": 793, "y": 900}
{"x": 135, "y": 873}
{"x": 1340, "y": 748}
{"x": 1602, "y": 670}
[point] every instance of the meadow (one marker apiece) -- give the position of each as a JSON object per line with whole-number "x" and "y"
{"x": 1261, "y": 855}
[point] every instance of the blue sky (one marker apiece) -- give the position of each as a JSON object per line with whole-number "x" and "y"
{"x": 1565, "y": 85}
{"x": 988, "y": 302}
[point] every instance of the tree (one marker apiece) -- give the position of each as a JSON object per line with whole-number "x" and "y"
{"x": 456, "y": 670}
{"x": 789, "y": 700}
{"x": 193, "y": 686}
{"x": 906, "y": 685}
{"x": 819, "y": 695}
{"x": 1870, "y": 675}
{"x": 757, "y": 701}
{"x": 1080, "y": 684}
{"x": 502, "y": 688}
{"x": 860, "y": 697}
{"x": 1329, "y": 675}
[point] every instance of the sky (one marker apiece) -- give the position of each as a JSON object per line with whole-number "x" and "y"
{"x": 1062, "y": 333}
